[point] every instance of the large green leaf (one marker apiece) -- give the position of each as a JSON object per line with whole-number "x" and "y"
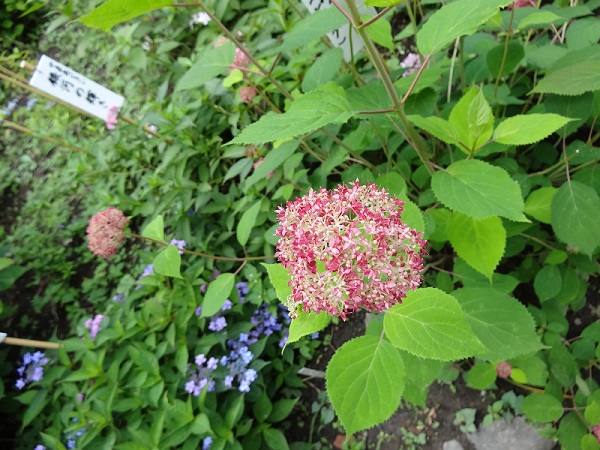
{"x": 365, "y": 380}
{"x": 247, "y": 222}
{"x": 437, "y": 127}
{"x": 526, "y": 129}
{"x": 453, "y": 20}
{"x": 274, "y": 158}
{"x": 430, "y": 324}
{"x": 420, "y": 373}
{"x": 209, "y": 64}
{"x": 168, "y": 262}
{"x": 113, "y": 12}
{"x": 155, "y": 229}
{"x": 480, "y": 190}
{"x": 323, "y": 70}
{"x": 538, "y": 204}
{"x": 573, "y": 79}
{"x": 326, "y": 104}
{"x": 576, "y": 216}
{"x": 500, "y": 322}
{"x": 480, "y": 243}
{"x": 542, "y": 407}
{"x": 35, "y": 407}
{"x": 312, "y": 27}
{"x": 307, "y": 323}
{"x": 218, "y": 291}
{"x": 279, "y": 277}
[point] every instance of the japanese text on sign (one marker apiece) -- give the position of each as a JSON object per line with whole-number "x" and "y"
{"x": 341, "y": 37}
{"x": 69, "y": 86}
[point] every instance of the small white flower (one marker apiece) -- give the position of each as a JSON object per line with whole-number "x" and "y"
{"x": 199, "y": 17}
{"x": 146, "y": 45}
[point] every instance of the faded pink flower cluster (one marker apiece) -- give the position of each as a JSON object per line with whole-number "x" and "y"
{"x": 247, "y": 94}
{"x": 105, "y": 232}
{"x": 240, "y": 60}
{"x": 347, "y": 249}
{"x": 412, "y": 63}
{"x": 503, "y": 369}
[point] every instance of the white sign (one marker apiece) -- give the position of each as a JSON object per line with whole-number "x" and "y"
{"x": 69, "y": 86}
{"x": 341, "y": 37}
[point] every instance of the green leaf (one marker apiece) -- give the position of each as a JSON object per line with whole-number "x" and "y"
{"x": 181, "y": 358}
{"x": 576, "y": 215}
{"x": 155, "y": 229}
{"x": 481, "y": 376}
{"x": 547, "y": 283}
{"x": 275, "y": 439}
{"x": 500, "y": 322}
{"x": 307, "y": 323}
{"x": 312, "y": 27}
{"x": 537, "y": 18}
{"x": 382, "y": 3}
{"x": 168, "y": 262}
{"x": 454, "y": 20}
{"x": 573, "y": 79}
{"x": 430, "y": 324}
{"x": 218, "y": 291}
{"x": 365, "y": 380}
{"x": 380, "y": 32}
{"x": 5, "y": 262}
{"x": 570, "y": 432}
{"x": 275, "y": 158}
{"x": 538, "y": 204}
{"x": 326, "y": 104}
{"x": 35, "y": 408}
{"x": 526, "y": 129}
{"x": 479, "y": 190}
{"x": 437, "y": 127}
{"x": 211, "y": 63}
{"x": 393, "y": 183}
{"x": 480, "y": 243}
{"x": 412, "y": 215}
{"x": 542, "y": 407}
{"x": 52, "y": 442}
{"x": 247, "y": 222}
{"x": 113, "y": 12}
{"x": 323, "y": 70}
{"x": 281, "y": 409}
{"x": 496, "y": 56}
{"x": 420, "y": 373}
{"x": 279, "y": 277}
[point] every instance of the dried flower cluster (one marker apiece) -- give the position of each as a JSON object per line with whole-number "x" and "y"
{"x": 247, "y": 94}
{"x": 347, "y": 249}
{"x": 105, "y": 232}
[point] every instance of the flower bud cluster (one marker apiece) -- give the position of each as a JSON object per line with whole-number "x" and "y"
{"x": 347, "y": 249}
{"x": 105, "y": 232}
{"x": 32, "y": 369}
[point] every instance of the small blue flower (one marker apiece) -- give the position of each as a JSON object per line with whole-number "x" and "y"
{"x": 20, "y": 384}
{"x": 227, "y": 305}
{"x": 217, "y": 324}
{"x": 206, "y": 443}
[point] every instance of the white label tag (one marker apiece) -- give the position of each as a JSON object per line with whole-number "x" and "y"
{"x": 341, "y": 37}
{"x": 69, "y": 86}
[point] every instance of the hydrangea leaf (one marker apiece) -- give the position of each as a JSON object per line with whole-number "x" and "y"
{"x": 481, "y": 376}
{"x": 479, "y": 189}
{"x": 524, "y": 129}
{"x": 380, "y": 32}
{"x": 307, "y": 323}
{"x": 500, "y": 322}
{"x": 420, "y": 373}
{"x": 322, "y": 106}
{"x": 576, "y": 215}
{"x": 365, "y": 380}
{"x": 168, "y": 262}
{"x": 542, "y": 407}
{"x": 155, "y": 229}
{"x": 275, "y": 158}
{"x": 538, "y": 204}
{"x": 247, "y": 222}
{"x": 209, "y": 64}
{"x": 312, "y": 27}
{"x": 480, "y": 243}
{"x": 430, "y": 324}
{"x": 437, "y": 127}
{"x": 113, "y": 12}
{"x": 548, "y": 282}
{"x": 280, "y": 278}
{"x": 454, "y": 20}
{"x": 574, "y": 79}
{"x": 217, "y": 292}
{"x": 324, "y": 70}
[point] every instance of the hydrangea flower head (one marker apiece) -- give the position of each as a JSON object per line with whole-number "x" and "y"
{"x": 240, "y": 60}
{"x": 105, "y": 232}
{"x": 247, "y": 94}
{"x": 503, "y": 369}
{"x": 347, "y": 249}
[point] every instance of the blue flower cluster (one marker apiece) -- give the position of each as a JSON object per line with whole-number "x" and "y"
{"x": 179, "y": 244}
{"x": 237, "y": 364}
{"x": 32, "y": 369}
{"x": 242, "y": 290}
{"x": 201, "y": 375}
{"x": 71, "y": 441}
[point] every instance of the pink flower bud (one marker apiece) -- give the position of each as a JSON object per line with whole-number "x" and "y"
{"x": 522, "y": 4}
{"x": 111, "y": 121}
{"x": 503, "y": 369}
{"x": 240, "y": 61}
{"x": 247, "y": 94}
{"x": 105, "y": 232}
{"x": 347, "y": 249}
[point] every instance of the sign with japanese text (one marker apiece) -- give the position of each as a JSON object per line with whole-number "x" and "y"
{"x": 341, "y": 37}
{"x": 69, "y": 86}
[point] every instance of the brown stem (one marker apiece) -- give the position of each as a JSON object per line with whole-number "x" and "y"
{"x": 31, "y": 343}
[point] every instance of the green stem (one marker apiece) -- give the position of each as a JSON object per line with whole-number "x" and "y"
{"x": 417, "y": 141}
{"x": 506, "y": 42}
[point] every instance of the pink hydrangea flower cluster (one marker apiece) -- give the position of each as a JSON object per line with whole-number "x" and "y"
{"x": 247, "y": 94}
{"x": 105, "y": 232}
{"x": 503, "y": 369}
{"x": 347, "y": 249}
{"x": 240, "y": 60}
